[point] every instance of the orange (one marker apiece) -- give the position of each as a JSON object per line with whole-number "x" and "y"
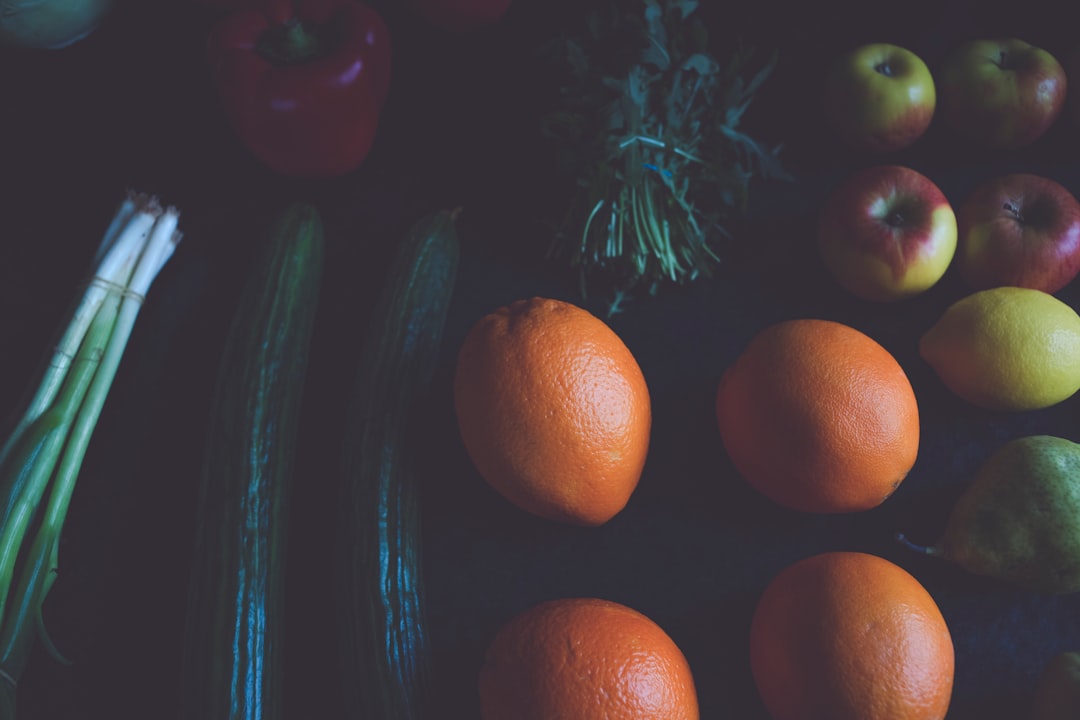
{"x": 818, "y": 417}
{"x": 553, "y": 410}
{"x": 585, "y": 659}
{"x": 850, "y": 636}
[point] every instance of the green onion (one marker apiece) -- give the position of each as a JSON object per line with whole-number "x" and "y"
{"x": 40, "y": 461}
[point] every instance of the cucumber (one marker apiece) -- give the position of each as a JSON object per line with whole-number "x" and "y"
{"x": 384, "y": 651}
{"x": 232, "y": 640}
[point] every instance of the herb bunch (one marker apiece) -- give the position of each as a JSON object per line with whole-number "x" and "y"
{"x": 648, "y": 124}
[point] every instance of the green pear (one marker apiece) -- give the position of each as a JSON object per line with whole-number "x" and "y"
{"x": 1019, "y": 520}
{"x": 1057, "y": 694}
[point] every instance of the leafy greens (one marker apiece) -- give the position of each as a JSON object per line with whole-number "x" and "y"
{"x": 648, "y": 124}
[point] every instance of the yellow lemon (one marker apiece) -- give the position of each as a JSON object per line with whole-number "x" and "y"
{"x": 1007, "y": 348}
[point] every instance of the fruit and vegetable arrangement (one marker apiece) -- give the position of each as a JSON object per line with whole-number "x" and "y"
{"x": 537, "y": 362}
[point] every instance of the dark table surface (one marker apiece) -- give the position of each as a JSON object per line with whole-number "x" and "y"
{"x": 131, "y": 107}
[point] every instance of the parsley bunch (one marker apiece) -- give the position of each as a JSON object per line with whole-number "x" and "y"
{"x": 648, "y": 124}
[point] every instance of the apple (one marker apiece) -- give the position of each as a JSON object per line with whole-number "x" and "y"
{"x": 887, "y": 232}
{"x": 1021, "y": 230}
{"x": 1000, "y": 93}
{"x": 879, "y": 97}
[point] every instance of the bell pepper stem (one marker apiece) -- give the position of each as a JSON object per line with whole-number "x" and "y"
{"x": 299, "y": 42}
{"x": 289, "y": 43}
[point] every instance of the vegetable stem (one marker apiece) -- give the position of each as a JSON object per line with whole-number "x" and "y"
{"x": 114, "y": 264}
{"x": 40, "y": 460}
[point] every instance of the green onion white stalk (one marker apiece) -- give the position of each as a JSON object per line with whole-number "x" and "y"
{"x": 40, "y": 461}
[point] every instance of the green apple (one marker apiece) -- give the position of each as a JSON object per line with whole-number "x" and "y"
{"x": 1000, "y": 93}
{"x": 879, "y": 97}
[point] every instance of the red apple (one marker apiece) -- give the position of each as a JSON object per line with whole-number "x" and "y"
{"x": 887, "y": 232}
{"x": 879, "y": 97}
{"x": 1000, "y": 93}
{"x": 1021, "y": 230}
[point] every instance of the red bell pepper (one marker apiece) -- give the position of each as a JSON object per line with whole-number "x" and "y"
{"x": 303, "y": 82}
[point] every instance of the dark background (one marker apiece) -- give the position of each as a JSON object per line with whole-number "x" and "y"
{"x": 131, "y": 107}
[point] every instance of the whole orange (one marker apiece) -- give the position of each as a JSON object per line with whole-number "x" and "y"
{"x": 850, "y": 636}
{"x": 553, "y": 410}
{"x": 585, "y": 659}
{"x": 819, "y": 417}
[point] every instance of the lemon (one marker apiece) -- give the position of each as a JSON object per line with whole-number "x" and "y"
{"x": 1007, "y": 348}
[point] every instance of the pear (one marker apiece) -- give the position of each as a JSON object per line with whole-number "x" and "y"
{"x": 1057, "y": 694}
{"x": 1019, "y": 520}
